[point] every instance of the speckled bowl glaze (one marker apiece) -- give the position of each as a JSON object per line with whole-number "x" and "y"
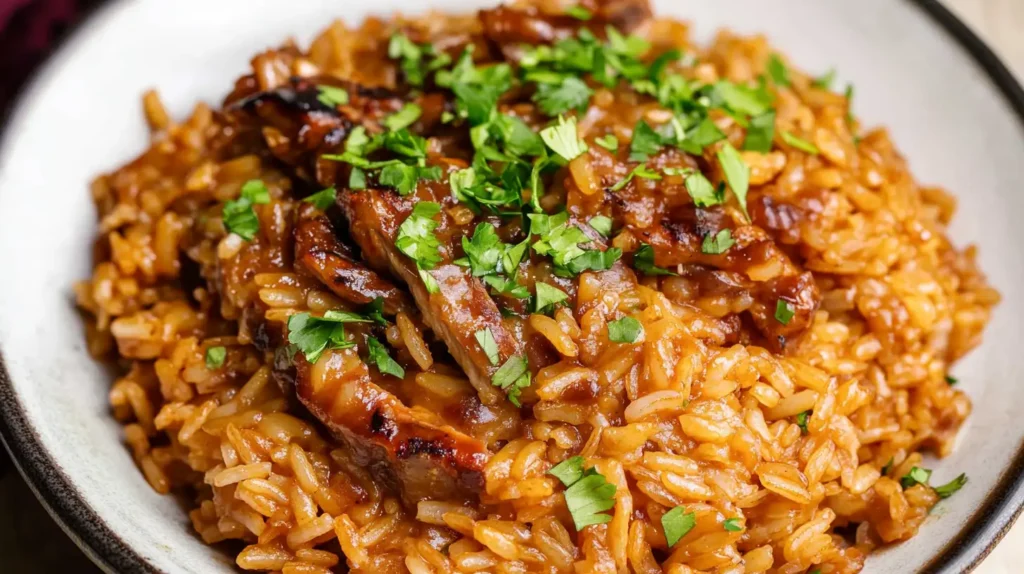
{"x": 953, "y": 109}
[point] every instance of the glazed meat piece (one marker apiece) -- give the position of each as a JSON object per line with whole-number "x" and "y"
{"x": 321, "y": 253}
{"x": 459, "y": 309}
{"x": 409, "y": 450}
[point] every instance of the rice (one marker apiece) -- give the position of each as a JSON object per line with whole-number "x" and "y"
{"x": 799, "y": 447}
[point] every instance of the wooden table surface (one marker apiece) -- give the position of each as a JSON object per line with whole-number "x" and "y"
{"x": 31, "y": 542}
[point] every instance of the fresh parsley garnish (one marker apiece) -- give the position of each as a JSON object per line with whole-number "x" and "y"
{"x": 403, "y": 118}
{"x": 800, "y": 144}
{"x": 783, "y": 312}
{"x": 948, "y": 489}
{"x": 601, "y": 224}
{"x": 625, "y": 330}
{"x": 641, "y": 171}
{"x": 646, "y": 142}
{"x": 215, "y": 357}
{"x": 608, "y": 142}
{"x": 732, "y": 525}
{"x": 917, "y": 475}
{"x": 888, "y": 466}
{"x": 717, "y": 243}
{"x": 332, "y": 95}
{"x": 490, "y": 347}
{"x": 760, "y": 133}
{"x": 801, "y": 421}
{"x": 950, "y": 380}
{"x": 700, "y": 136}
{"x": 322, "y": 199}
{"x": 737, "y": 174}
{"x": 571, "y": 93}
{"x": 416, "y": 236}
{"x": 703, "y": 193}
{"x": 825, "y": 80}
{"x": 579, "y": 12}
{"x": 547, "y": 296}
{"x": 238, "y": 215}
{"x": 314, "y": 335}
{"x": 677, "y": 523}
{"x": 587, "y": 493}
{"x": 513, "y": 377}
{"x": 643, "y": 261}
{"x": 563, "y": 139}
{"x": 777, "y": 70}
{"x": 561, "y": 242}
{"x": 379, "y": 355}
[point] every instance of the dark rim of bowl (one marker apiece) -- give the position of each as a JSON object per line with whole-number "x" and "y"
{"x": 58, "y": 494}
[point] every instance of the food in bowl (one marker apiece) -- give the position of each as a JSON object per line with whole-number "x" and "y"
{"x": 545, "y": 288}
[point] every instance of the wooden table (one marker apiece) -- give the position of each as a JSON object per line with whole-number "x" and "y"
{"x": 31, "y": 542}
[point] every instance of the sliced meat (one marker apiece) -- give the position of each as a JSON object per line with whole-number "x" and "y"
{"x": 321, "y": 253}
{"x": 460, "y": 309}
{"x": 410, "y": 450}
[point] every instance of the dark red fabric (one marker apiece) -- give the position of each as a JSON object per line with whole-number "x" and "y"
{"x": 29, "y": 29}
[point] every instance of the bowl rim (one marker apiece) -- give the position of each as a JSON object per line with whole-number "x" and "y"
{"x": 57, "y": 493}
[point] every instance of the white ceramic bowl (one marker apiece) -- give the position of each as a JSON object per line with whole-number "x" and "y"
{"x": 952, "y": 108}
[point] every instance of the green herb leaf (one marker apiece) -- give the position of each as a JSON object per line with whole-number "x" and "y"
{"x": 888, "y": 466}
{"x": 403, "y": 118}
{"x": 800, "y": 144}
{"x": 429, "y": 282}
{"x": 801, "y": 421}
{"x": 401, "y": 47}
{"x": 697, "y": 138}
{"x": 588, "y": 498}
{"x": 608, "y": 142}
{"x": 323, "y": 199}
{"x": 948, "y": 489}
{"x": 405, "y": 177}
{"x": 579, "y": 12}
{"x": 677, "y": 523}
{"x": 643, "y": 261}
{"x": 702, "y": 192}
{"x": 238, "y": 215}
{"x": 601, "y": 224}
{"x": 547, "y": 296}
{"x": 760, "y": 133}
{"x": 732, "y": 525}
{"x": 625, "y": 330}
{"x": 357, "y": 179}
{"x": 951, "y": 380}
{"x": 483, "y": 250}
{"x": 917, "y": 475}
{"x": 215, "y": 357}
{"x": 314, "y": 335}
{"x": 563, "y": 139}
{"x": 490, "y": 347}
{"x": 783, "y": 312}
{"x": 571, "y": 94}
{"x": 374, "y": 311}
{"x": 379, "y": 355}
{"x": 513, "y": 377}
{"x": 641, "y": 171}
{"x": 777, "y": 70}
{"x": 569, "y": 471}
{"x": 737, "y": 174}
{"x": 825, "y": 80}
{"x": 743, "y": 99}
{"x": 592, "y": 260}
{"x": 332, "y": 95}
{"x": 416, "y": 235}
{"x": 646, "y": 142}
{"x": 716, "y": 244}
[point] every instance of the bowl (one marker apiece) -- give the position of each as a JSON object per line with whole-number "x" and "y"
{"x": 951, "y": 106}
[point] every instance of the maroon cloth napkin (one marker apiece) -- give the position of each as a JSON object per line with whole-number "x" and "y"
{"x": 29, "y": 30}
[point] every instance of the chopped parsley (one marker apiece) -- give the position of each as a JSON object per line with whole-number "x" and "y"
{"x": 950, "y": 380}
{"x": 215, "y": 357}
{"x": 547, "y": 296}
{"x": 641, "y": 171}
{"x": 888, "y": 466}
{"x": 314, "y": 335}
{"x": 732, "y": 525}
{"x": 948, "y": 489}
{"x": 238, "y": 215}
{"x": 800, "y": 144}
{"x": 608, "y": 142}
{"x": 563, "y": 139}
{"x": 702, "y": 192}
{"x": 380, "y": 357}
{"x": 625, "y": 330}
{"x": 561, "y": 242}
{"x": 490, "y": 347}
{"x": 825, "y": 80}
{"x": 717, "y": 243}
{"x": 677, "y": 523}
{"x": 579, "y": 12}
{"x": 322, "y": 199}
{"x": 513, "y": 377}
{"x": 743, "y": 100}
{"x": 783, "y": 312}
{"x": 777, "y": 70}
{"x": 760, "y": 133}
{"x": 416, "y": 235}
{"x": 403, "y": 118}
{"x": 601, "y": 224}
{"x": 400, "y": 47}
{"x": 332, "y": 95}
{"x": 702, "y": 135}
{"x": 737, "y": 174}
{"x": 483, "y": 250}
{"x": 918, "y": 475}
{"x": 587, "y": 495}
{"x": 801, "y": 421}
{"x": 571, "y": 93}
{"x": 374, "y": 311}
{"x": 643, "y": 261}
{"x": 646, "y": 142}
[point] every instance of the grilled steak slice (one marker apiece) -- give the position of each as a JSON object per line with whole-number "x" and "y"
{"x": 411, "y": 451}
{"x": 459, "y": 309}
{"x": 318, "y": 251}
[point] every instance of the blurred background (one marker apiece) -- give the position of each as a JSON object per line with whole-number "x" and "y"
{"x": 30, "y": 29}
